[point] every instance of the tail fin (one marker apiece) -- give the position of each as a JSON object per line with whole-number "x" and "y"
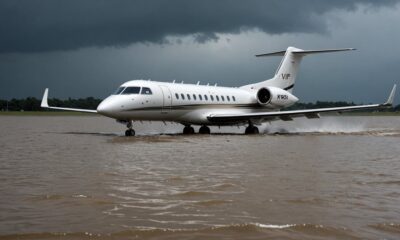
{"x": 285, "y": 75}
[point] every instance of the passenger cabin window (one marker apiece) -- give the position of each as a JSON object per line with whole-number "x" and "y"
{"x": 183, "y": 96}
{"x": 200, "y": 97}
{"x": 177, "y": 96}
{"x": 229, "y": 99}
{"x": 194, "y": 97}
{"x": 212, "y": 98}
{"x": 188, "y": 96}
{"x": 223, "y": 99}
{"x": 119, "y": 90}
{"x": 234, "y": 99}
{"x": 146, "y": 91}
{"x": 205, "y": 97}
{"x": 217, "y": 98}
{"x": 131, "y": 90}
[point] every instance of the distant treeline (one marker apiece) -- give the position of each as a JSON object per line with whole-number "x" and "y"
{"x": 33, "y": 104}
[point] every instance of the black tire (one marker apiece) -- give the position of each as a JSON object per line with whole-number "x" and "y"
{"x": 252, "y": 130}
{"x": 204, "y": 130}
{"x": 188, "y": 130}
{"x": 255, "y": 130}
{"x": 248, "y": 130}
{"x": 130, "y": 132}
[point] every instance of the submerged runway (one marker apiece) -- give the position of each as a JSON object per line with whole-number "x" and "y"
{"x": 79, "y": 178}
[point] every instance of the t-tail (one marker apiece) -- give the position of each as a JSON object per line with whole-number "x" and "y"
{"x": 285, "y": 75}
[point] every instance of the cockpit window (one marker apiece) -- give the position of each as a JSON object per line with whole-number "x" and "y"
{"x": 131, "y": 90}
{"x": 146, "y": 91}
{"x": 119, "y": 90}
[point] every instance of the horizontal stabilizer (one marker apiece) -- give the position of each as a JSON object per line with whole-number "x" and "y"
{"x": 306, "y": 52}
{"x": 297, "y": 51}
{"x": 280, "y": 53}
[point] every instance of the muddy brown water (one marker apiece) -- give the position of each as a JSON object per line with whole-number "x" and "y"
{"x": 79, "y": 178}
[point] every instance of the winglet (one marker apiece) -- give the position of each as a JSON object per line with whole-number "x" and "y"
{"x": 390, "y": 100}
{"x": 44, "y": 103}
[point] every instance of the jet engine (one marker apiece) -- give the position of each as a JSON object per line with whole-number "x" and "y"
{"x": 273, "y": 97}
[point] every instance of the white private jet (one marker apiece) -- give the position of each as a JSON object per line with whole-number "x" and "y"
{"x": 204, "y": 105}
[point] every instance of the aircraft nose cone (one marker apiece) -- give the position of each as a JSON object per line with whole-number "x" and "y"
{"x": 105, "y": 108}
{"x": 101, "y": 108}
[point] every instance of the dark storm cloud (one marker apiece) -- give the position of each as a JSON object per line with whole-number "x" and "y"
{"x": 48, "y": 25}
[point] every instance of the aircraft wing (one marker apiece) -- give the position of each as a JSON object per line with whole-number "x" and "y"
{"x": 45, "y": 104}
{"x": 289, "y": 115}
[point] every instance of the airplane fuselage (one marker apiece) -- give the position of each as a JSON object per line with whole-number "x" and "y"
{"x": 184, "y": 103}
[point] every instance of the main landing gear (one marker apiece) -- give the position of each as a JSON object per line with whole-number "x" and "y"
{"x": 129, "y": 132}
{"x": 251, "y": 129}
{"x": 190, "y": 130}
{"x": 204, "y": 130}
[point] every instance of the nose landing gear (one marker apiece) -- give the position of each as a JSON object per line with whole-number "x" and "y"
{"x": 129, "y": 132}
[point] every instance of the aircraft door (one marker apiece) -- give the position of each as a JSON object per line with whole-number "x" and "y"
{"x": 167, "y": 99}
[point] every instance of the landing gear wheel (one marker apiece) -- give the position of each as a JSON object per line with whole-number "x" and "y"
{"x": 130, "y": 132}
{"x": 204, "y": 130}
{"x": 188, "y": 130}
{"x": 252, "y": 130}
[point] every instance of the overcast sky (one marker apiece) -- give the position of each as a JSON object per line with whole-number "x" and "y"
{"x": 81, "y": 48}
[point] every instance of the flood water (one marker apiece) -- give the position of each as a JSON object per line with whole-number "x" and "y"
{"x": 77, "y": 177}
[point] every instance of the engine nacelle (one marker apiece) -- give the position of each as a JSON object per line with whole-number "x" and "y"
{"x": 273, "y": 97}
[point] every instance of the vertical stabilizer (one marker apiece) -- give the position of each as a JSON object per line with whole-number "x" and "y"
{"x": 285, "y": 75}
